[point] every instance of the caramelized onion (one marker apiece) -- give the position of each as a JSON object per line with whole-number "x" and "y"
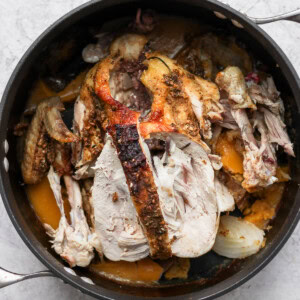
{"x": 238, "y": 238}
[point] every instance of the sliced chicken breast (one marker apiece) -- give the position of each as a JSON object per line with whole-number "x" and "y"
{"x": 185, "y": 180}
{"x": 122, "y": 128}
{"x": 116, "y": 220}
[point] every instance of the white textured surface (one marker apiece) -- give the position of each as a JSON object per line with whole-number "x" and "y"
{"x": 21, "y": 22}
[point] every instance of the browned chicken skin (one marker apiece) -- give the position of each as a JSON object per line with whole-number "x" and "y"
{"x": 138, "y": 168}
{"x": 142, "y": 189}
{"x": 39, "y": 148}
{"x": 87, "y": 124}
{"x": 121, "y": 124}
{"x": 171, "y": 105}
{"x": 182, "y": 102}
{"x": 62, "y": 161}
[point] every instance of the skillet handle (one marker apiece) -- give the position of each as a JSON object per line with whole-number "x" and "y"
{"x": 289, "y": 16}
{"x": 8, "y": 278}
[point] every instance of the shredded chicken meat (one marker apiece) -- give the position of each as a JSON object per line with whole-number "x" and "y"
{"x": 259, "y": 157}
{"x": 267, "y": 95}
{"x": 189, "y": 206}
{"x": 142, "y": 164}
{"x": 73, "y": 242}
{"x": 277, "y": 131}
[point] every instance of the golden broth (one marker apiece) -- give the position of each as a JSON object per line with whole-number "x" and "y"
{"x": 44, "y": 204}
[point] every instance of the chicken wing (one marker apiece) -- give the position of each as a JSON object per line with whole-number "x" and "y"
{"x": 46, "y": 126}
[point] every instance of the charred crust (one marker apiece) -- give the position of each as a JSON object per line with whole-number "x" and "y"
{"x": 142, "y": 188}
{"x": 179, "y": 102}
{"x": 174, "y": 83}
{"x": 43, "y": 154}
{"x": 92, "y": 133}
{"x": 62, "y": 158}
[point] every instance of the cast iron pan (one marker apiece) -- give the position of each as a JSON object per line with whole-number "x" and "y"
{"x": 210, "y": 275}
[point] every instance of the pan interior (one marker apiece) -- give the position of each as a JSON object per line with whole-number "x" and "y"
{"x": 207, "y": 270}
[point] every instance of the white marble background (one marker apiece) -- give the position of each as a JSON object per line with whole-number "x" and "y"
{"x": 21, "y": 22}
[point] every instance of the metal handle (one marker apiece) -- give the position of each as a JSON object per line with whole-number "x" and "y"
{"x": 289, "y": 16}
{"x": 8, "y": 278}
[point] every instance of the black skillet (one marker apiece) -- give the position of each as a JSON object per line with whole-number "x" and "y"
{"x": 211, "y": 275}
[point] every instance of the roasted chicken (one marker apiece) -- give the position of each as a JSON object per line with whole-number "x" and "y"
{"x": 162, "y": 143}
{"x": 259, "y": 156}
{"x": 116, "y": 220}
{"x": 181, "y": 101}
{"x": 46, "y": 127}
{"x": 73, "y": 242}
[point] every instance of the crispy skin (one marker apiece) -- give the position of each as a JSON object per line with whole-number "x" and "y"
{"x": 55, "y": 126}
{"x": 62, "y": 162}
{"x": 146, "y": 128}
{"x": 89, "y": 129}
{"x": 142, "y": 188}
{"x": 170, "y": 107}
{"x": 122, "y": 126}
{"x": 116, "y": 112}
{"x": 35, "y": 162}
{"x": 38, "y": 151}
{"x": 182, "y": 102}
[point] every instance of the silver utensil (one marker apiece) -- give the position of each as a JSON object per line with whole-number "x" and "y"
{"x": 289, "y": 16}
{"x": 8, "y": 278}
